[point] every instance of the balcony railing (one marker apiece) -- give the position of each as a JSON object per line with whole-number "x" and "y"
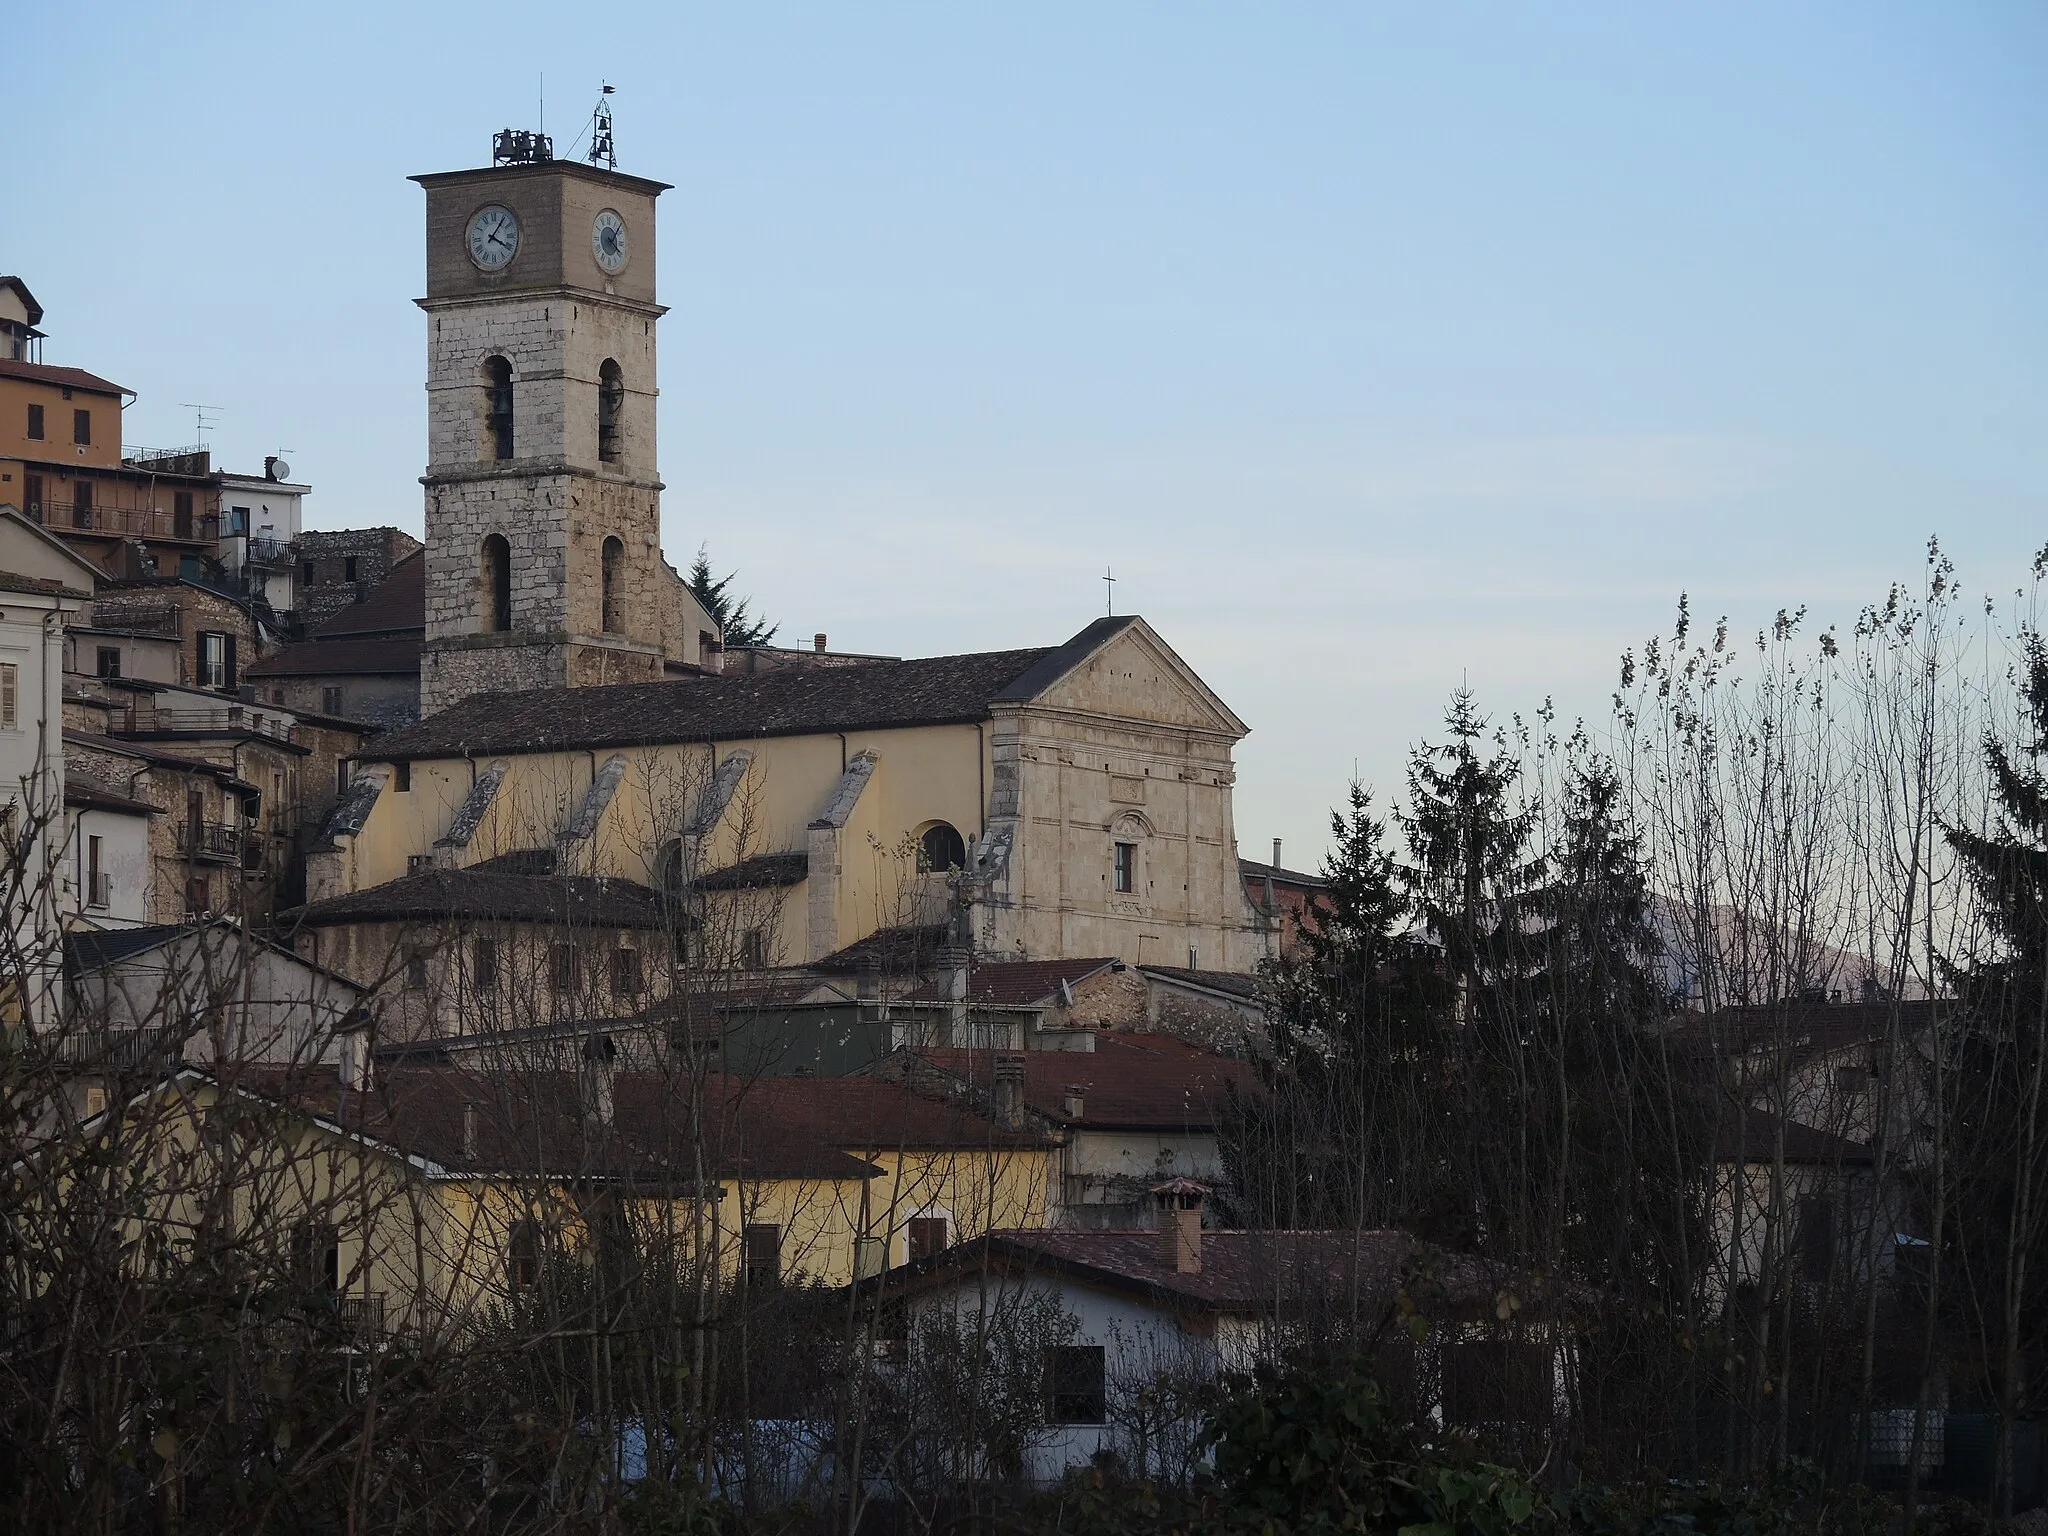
{"x": 138, "y": 522}
{"x": 217, "y": 842}
{"x": 266, "y": 550}
{"x": 113, "y": 1049}
{"x": 145, "y": 720}
{"x": 195, "y": 459}
{"x": 363, "y": 1315}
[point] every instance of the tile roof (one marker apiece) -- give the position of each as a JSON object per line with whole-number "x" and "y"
{"x": 1252, "y": 869}
{"x": 1250, "y": 1272}
{"x": 913, "y": 947}
{"x": 1015, "y": 983}
{"x": 66, "y": 378}
{"x": 1128, "y": 1082}
{"x": 789, "y": 701}
{"x": 398, "y": 602}
{"x": 1752, "y": 1135}
{"x": 437, "y": 895}
{"x": 88, "y": 949}
{"x": 762, "y": 871}
{"x": 38, "y": 586}
{"x": 531, "y": 1122}
{"x": 1232, "y": 982}
{"x": 381, "y": 655}
{"x": 89, "y": 740}
{"x": 84, "y": 794}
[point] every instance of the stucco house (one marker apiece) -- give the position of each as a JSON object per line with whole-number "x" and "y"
{"x": 1146, "y": 1317}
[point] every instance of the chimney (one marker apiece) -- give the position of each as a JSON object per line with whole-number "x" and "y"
{"x": 818, "y": 642}
{"x": 954, "y": 960}
{"x": 1276, "y": 855}
{"x": 1010, "y": 1091}
{"x": 1180, "y": 1224}
{"x": 600, "y": 1053}
{"x": 1074, "y": 1100}
{"x": 469, "y": 1133}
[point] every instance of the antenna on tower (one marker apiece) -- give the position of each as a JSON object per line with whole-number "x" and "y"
{"x": 601, "y": 149}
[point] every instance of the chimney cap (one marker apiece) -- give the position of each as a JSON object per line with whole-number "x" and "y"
{"x": 818, "y": 641}
{"x": 1182, "y": 1188}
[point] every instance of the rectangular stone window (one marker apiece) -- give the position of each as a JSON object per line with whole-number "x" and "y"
{"x": 565, "y": 968}
{"x": 330, "y": 700}
{"x": 108, "y": 661}
{"x": 35, "y": 423}
{"x": 483, "y": 965}
{"x": 626, "y": 977}
{"x": 761, "y": 1253}
{"x": 1126, "y": 867}
{"x": 81, "y": 427}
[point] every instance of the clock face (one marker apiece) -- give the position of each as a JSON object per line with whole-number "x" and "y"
{"x": 608, "y": 240}
{"x": 493, "y": 236}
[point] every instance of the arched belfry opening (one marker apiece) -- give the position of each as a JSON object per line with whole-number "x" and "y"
{"x": 611, "y": 410}
{"x": 614, "y": 585}
{"x": 498, "y": 406}
{"x": 497, "y": 582}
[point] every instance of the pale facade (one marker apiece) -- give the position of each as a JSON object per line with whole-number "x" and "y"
{"x": 41, "y": 585}
{"x": 1089, "y": 787}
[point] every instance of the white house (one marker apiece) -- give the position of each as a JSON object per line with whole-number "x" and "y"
{"x": 1145, "y": 1318}
{"x": 260, "y": 521}
{"x": 42, "y": 585}
{"x": 107, "y": 833}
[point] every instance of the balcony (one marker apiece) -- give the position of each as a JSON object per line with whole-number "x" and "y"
{"x": 113, "y": 1049}
{"x": 228, "y": 720}
{"x": 127, "y": 522}
{"x": 363, "y": 1316}
{"x": 196, "y": 459}
{"x": 210, "y": 842}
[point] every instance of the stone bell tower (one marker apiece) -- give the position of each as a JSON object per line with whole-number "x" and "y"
{"x": 543, "y": 506}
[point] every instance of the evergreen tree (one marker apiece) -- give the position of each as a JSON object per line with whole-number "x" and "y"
{"x": 714, "y": 592}
{"x": 1337, "y": 1136}
{"x": 1997, "y": 1233}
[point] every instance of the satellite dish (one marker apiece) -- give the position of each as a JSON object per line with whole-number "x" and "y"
{"x": 279, "y": 470}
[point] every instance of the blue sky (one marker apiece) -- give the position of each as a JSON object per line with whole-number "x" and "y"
{"x": 1373, "y": 347}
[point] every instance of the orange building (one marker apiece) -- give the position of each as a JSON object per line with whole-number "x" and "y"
{"x": 61, "y": 463}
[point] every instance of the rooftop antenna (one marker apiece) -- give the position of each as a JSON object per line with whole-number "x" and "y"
{"x": 206, "y": 416}
{"x": 1108, "y": 593}
{"x": 601, "y": 150}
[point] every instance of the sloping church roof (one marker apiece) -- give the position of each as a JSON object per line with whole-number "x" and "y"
{"x": 791, "y": 701}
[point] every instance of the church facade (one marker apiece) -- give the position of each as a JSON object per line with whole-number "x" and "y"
{"x": 578, "y": 724}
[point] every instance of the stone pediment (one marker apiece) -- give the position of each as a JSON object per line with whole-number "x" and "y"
{"x": 1134, "y": 675}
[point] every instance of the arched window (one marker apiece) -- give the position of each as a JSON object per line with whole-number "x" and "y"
{"x": 940, "y": 849}
{"x": 498, "y": 406}
{"x": 611, "y": 408}
{"x": 614, "y": 585}
{"x": 497, "y": 580}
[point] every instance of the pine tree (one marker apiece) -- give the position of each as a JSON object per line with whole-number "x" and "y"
{"x": 1999, "y": 1083}
{"x": 714, "y": 592}
{"x": 1333, "y": 1138}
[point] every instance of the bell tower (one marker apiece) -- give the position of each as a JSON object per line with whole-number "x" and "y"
{"x": 543, "y": 504}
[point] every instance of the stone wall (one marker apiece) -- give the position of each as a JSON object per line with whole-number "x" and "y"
{"x": 328, "y": 552}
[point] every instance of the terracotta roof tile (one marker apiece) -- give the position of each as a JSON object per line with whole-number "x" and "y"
{"x": 1015, "y": 983}
{"x": 786, "y": 702}
{"x": 384, "y": 655}
{"x": 1128, "y": 1082}
{"x": 435, "y": 895}
{"x": 66, "y": 378}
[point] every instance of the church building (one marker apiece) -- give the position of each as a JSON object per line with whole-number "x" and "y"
{"x": 579, "y": 724}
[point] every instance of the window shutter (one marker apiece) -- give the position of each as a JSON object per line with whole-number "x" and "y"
{"x": 230, "y": 683}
